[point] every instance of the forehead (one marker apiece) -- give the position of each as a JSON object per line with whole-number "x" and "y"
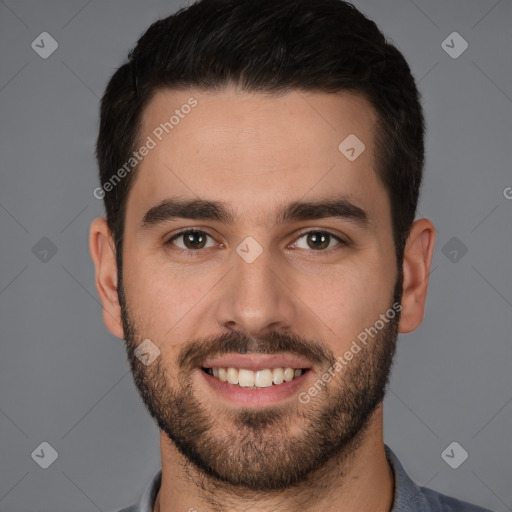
{"x": 254, "y": 150}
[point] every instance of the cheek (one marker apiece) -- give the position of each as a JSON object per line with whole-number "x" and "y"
{"x": 156, "y": 310}
{"x": 164, "y": 300}
{"x": 351, "y": 300}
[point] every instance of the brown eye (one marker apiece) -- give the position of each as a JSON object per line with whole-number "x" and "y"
{"x": 192, "y": 239}
{"x": 319, "y": 240}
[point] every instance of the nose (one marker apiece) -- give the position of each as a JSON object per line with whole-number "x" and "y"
{"x": 256, "y": 298}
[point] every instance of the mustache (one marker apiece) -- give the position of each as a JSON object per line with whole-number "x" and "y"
{"x": 236, "y": 342}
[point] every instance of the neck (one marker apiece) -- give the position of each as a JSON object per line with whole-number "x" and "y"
{"x": 341, "y": 485}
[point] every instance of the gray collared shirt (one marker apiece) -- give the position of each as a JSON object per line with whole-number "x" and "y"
{"x": 408, "y": 496}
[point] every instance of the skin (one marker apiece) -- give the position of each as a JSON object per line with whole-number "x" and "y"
{"x": 256, "y": 152}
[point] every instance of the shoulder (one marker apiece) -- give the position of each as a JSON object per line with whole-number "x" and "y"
{"x": 438, "y": 502}
{"x": 409, "y": 496}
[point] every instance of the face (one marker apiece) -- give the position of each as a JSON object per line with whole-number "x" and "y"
{"x": 288, "y": 259}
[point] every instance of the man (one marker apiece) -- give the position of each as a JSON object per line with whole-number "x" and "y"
{"x": 260, "y": 165}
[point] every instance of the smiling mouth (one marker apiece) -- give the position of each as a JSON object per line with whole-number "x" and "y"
{"x": 258, "y": 379}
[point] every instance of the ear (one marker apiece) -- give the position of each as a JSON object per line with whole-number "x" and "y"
{"x": 418, "y": 252}
{"x": 102, "y": 249}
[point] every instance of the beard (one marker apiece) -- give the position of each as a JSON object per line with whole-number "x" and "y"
{"x": 268, "y": 448}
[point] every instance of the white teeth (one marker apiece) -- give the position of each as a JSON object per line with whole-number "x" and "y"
{"x": 233, "y": 376}
{"x": 263, "y": 378}
{"x": 288, "y": 374}
{"x": 259, "y": 379}
{"x": 246, "y": 378}
{"x": 278, "y": 375}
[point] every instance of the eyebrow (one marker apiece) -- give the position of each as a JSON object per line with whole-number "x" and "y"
{"x": 201, "y": 209}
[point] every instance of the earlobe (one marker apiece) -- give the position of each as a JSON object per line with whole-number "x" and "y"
{"x": 418, "y": 254}
{"x": 102, "y": 249}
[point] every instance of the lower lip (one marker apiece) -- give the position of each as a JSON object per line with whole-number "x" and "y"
{"x": 249, "y": 397}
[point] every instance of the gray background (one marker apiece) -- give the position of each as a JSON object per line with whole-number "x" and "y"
{"x": 65, "y": 380}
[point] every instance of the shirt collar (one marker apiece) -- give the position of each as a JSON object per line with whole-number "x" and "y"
{"x": 407, "y": 495}
{"x": 149, "y": 496}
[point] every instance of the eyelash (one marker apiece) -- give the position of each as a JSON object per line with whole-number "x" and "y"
{"x": 190, "y": 252}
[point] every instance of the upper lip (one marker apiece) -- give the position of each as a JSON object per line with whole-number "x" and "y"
{"x": 256, "y": 361}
